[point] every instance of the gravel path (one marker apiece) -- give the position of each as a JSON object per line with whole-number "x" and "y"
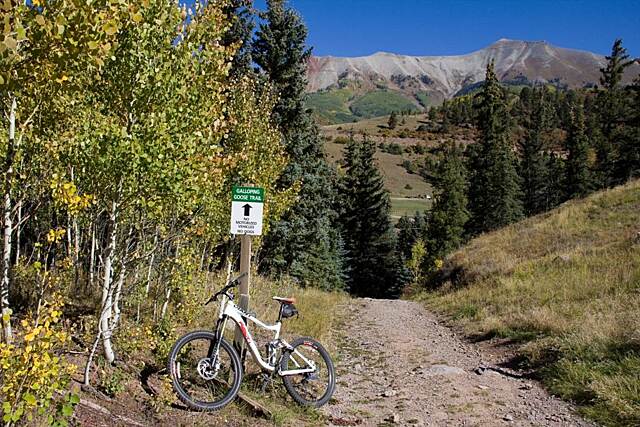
{"x": 399, "y": 365}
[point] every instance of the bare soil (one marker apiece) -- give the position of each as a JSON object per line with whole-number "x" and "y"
{"x": 401, "y": 365}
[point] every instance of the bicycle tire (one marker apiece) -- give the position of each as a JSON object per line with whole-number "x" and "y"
{"x": 288, "y": 380}
{"x": 174, "y": 369}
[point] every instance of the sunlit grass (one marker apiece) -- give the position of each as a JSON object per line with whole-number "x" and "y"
{"x": 567, "y": 285}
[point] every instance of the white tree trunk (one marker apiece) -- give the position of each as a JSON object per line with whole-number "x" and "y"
{"x": 92, "y": 257}
{"x": 18, "y": 231}
{"x": 166, "y": 303}
{"x": 121, "y": 276}
{"x": 153, "y": 255}
{"x": 8, "y": 228}
{"x": 116, "y": 298}
{"x": 107, "y": 288}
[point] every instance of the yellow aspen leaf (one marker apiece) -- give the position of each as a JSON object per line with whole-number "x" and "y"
{"x": 137, "y": 17}
{"x": 110, "y": 28}
{"x": 10, "y": 42}
{"x": 40, "y": 20}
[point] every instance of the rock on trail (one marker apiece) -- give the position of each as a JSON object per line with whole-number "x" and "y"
{"x": 400, "y": 366}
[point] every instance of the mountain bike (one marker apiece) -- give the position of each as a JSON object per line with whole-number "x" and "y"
{"x": 206, "y": 370}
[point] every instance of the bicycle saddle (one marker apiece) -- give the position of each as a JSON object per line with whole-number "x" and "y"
{"x": 283, "y": 300}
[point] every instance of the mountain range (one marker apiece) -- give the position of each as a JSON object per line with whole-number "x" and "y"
{"x": 347, "y": 89}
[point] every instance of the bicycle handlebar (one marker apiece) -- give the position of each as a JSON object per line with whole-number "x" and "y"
{"x": 230, "y": 284}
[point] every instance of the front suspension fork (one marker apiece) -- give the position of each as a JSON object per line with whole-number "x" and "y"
{"x": 214, "y": 347}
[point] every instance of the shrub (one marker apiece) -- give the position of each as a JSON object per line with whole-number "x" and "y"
{"x": 32, "y": 374}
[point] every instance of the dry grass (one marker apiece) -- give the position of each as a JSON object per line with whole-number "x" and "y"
{"x": 567, "y": 284}
{"x": 395, "y": 175}
{"x": 318, "y": 314}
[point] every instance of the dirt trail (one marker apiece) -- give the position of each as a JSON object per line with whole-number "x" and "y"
{"x": 401, "y": 366}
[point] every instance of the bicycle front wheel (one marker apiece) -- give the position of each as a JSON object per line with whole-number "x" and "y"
{"x": 311, "y": 388}
{"x": 202, "y": 378}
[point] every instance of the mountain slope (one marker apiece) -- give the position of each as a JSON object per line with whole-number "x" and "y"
{"x": 567, "y": 283}
{"x": 427, "y": 80}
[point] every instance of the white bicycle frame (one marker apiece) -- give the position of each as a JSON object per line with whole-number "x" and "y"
{"x": 228, "y": 309}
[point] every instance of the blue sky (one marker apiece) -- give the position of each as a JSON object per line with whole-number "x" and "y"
{"x": 450, "y": 27}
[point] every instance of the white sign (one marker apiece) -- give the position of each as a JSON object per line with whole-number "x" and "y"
{"x": 246, "y": 210}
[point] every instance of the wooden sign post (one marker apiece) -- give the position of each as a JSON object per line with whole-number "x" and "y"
{"x": 246, "y": 221}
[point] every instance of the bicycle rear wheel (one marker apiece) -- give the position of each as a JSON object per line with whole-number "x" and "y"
{"x": 203, "y": 380}
{"x": 313, "y": 388}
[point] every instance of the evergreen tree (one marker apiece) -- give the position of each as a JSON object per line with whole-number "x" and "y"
{"x": 578, "y": 175}
{"x": 556, "y": 181}
{"x": 534, "y": 164}
{"x": 628, "y": 159}
{"x": 305, "y": 243}
{"x": 432, "y": 114}
{"x": 494, "y": 187}
{"x": 613, "y": 108}
{"x": 375, "y": 269}
{"x": 447, "y": 219}
{"x": 409, "y": 231}
{"x": 393, "y": 120}
{"x": 446, "y": 122}
{"x": 240, "y": 15}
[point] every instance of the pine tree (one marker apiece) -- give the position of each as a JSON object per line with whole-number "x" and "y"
{"x": 375, "y": 269}
{"x": 305, "y": 242}
{"x": 448, "y": 216}
{"x": 280, "y": 50}
{"x": 393, "y": 120}
{"x": 239, "y": 13}
{"x": 613, "y": 107}
{"x": 534, "y": 164}
{"x": 578, "y": 175}
{"x": 409, "y": 231}
{"x": 628, "y": 160}
{"x": 494, "y": 187}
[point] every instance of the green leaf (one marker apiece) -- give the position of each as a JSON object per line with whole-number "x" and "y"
{"x": 110, "y": 28}
{"x": 21, "y": 32}
{"x": 30, "y": 399}
{"x": 74, "y": 399}
{"x": 18, "y": 413}
{"x": 67, "y": 410}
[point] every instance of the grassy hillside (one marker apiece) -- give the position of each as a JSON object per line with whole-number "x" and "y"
{"x": 399, "y": 182}
{"x": 566, "y": 286}
{"x": 351, "y": 104}
{"x": 332, "y": 106}
{"x": 381, "y": 103}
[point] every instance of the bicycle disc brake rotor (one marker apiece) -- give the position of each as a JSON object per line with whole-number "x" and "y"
{"x": 207, "y": 369}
